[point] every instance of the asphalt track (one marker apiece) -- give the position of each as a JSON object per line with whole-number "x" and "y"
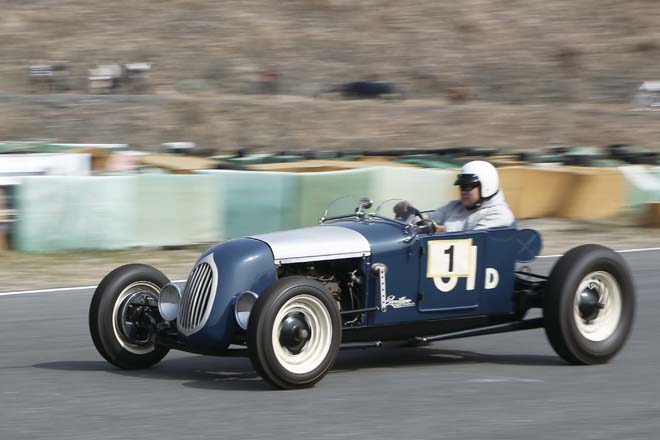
{"x": 53, "y": 385}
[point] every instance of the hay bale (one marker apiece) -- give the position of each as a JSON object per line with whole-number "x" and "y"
{"x": 176, "y": 163}
{"x": 594, "y": 193}
{"x": 568, "y": 192}
{"x": 322, "y": 165}
{"x": 534, "y": 192}
{"x": 651, "y": 216}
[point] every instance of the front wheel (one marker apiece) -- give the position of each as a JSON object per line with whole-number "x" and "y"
{"x": 294, "y": 332}
{"x": 589, "y": 305}
{"x": 123, "y": 315}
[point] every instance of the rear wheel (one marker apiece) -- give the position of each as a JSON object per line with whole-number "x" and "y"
{"x": 123, "y": 315}
{"x": 589, "y": 305}
{"x": 294, "y": 333}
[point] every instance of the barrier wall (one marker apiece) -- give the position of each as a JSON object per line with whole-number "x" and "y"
{"x": 651, "y": 215}
{"x": 568, "y": 192}
{"x": 253, "y": 203}
{"x": 642, "y": 185}
{"x": 115, "y": 212}
{"x": 534, "y": 192}
{"x": 270, "y": 201}
{"x": 426, "y": 189}
{"x": 55, "y": 213}
{"x": 594, "y": 193}
{"x": 316, "y": 190}
{"x": 176, "y": 210}
{"x": 45, "y": 164}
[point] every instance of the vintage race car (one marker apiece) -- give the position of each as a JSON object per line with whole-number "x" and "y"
{"x": 290, "y": 300}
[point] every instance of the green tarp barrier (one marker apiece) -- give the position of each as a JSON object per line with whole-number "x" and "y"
{"x": 426, "y": 189}
{"x": 256, "y": 202}
{"x": 173, "y": 210}
{"x": 642, "y": 186}
{"x": 317, "y": 190}
{"x": 55, "y": 213}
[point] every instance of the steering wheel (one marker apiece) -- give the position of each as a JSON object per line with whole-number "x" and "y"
{"x": 426, "y": 226}
{"x": 404, "y": 209}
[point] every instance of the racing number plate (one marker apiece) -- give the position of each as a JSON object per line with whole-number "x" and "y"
{"x": 450, "y": 258}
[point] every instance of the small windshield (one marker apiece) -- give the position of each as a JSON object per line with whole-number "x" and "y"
{"x": 351, "y": 206}
{"x": 386, "y": 210}
{"x": 346, "y": 206}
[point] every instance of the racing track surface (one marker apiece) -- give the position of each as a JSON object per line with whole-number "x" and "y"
{"x": 54, "y": 385}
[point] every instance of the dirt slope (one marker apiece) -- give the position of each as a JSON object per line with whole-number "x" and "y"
{"x": 508, "y": 53}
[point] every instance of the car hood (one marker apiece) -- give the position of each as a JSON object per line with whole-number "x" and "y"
{"x": 315, "y": 244}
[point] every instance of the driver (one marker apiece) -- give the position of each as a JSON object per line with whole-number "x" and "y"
{"x": 481, "y": 206}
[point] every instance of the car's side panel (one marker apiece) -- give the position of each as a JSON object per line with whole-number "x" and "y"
{"x": 449, "y": 278}
{"x": 478, "y": 268}
{"x": 242, "y": 264}
{"x": 390, "y": 246}
{"x": 486, "y": 289}
{"x": 501, "y": 249}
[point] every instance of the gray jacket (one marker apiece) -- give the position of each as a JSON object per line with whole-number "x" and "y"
{"x": 493, "y": 213}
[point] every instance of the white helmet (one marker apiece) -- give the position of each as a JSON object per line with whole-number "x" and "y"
{"x": 482, "y": 172}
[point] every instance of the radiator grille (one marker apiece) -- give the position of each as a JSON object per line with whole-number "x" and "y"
{"x": 196, "y": 298}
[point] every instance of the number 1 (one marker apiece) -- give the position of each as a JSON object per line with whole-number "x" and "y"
{"x": 450, "y": 251}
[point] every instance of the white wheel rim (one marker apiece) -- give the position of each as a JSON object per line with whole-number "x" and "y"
{"x": 132, "y": 290}
{"x": 317, "y": 347}
{"x": 610, "y": 302}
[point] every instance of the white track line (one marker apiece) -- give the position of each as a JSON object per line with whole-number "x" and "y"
{"x": 64, "y": 289}
{"x": 625, "y": 251}
{"x": 60, "y": 289}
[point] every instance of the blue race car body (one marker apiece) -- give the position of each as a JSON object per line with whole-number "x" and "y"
{"x": 290, "y": 300}
{"x": 433, "y": 283}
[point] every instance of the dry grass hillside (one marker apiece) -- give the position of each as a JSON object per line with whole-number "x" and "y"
{"x": 526, "y": 73}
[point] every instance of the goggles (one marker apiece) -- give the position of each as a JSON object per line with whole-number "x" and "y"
{"x": 469, "y": 186}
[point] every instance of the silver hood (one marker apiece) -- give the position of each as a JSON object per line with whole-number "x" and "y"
{"x": 315, "y": 243}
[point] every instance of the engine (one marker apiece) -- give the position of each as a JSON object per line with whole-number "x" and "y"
{"x": 344, "y": 279}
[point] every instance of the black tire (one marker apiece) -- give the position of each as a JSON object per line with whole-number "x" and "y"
{"x": 109, "y": 338}
{"x": 595, "y": 334}
{"x": 271, "y": 357}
